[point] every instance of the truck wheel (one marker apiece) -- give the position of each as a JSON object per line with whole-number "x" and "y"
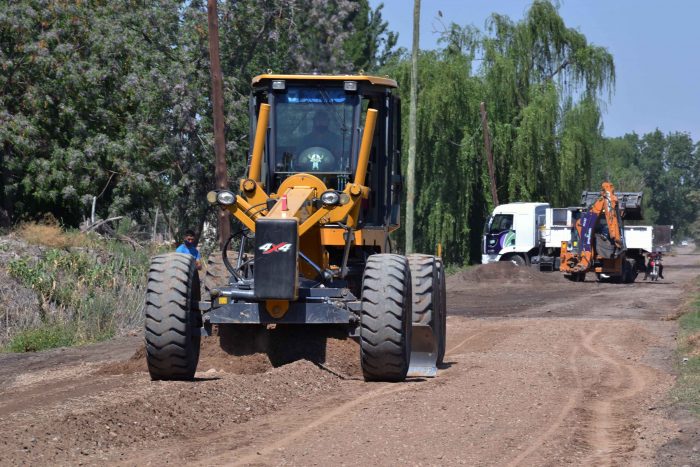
{"x": 629, "y": 273}
{"x": 385, "y": 332}
{"x": 517, "y": 260}
{"x": 427, "y": 301}
{"x": 576, "y": 277}
{"x": 172, "y": 319}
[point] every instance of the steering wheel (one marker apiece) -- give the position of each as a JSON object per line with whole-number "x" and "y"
{"x": 314, "y": 159}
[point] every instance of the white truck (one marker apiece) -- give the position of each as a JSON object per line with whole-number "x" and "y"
{"x": 532, "y": 233}
{"x": 511, "y": 233}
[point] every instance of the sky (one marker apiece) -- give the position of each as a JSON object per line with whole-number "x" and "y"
{"x": 655, "y": 45}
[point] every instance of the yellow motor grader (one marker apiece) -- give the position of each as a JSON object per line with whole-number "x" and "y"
{"x": 316, "y": 209}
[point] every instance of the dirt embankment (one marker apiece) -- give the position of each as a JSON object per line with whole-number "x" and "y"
{"x": 539, "y": 371}
{"x": 505, "y": 273}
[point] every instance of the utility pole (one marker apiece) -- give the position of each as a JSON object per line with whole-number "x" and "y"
{"x": 411, "y": 169}
{"x": 217, "y": 98}
{"x": 489, "y": 153}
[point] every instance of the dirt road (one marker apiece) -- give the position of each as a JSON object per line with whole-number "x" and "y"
{"x": 539, "y": 371}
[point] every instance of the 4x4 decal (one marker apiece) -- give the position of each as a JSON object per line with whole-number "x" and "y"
{"x": 281, "y": 247}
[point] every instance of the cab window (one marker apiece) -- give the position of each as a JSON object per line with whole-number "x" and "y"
{"x": 501, "y": 222}
{"x": 313, "y": 130}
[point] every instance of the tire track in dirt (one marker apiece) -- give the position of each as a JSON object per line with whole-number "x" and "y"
{"x": 607, "y": 432}
{"x": 571, "y": 403}
{"x": 384, "y": 390}
{"x": 62, "y": 390}
{"x": 610, "y": 432}
{"x": 257, "y": 455}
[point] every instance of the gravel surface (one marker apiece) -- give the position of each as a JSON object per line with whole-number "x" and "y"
{"x": 538, "y": 371}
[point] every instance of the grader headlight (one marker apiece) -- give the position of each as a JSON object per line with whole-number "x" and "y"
{"x": 330, "y": 198}
{"x": 225, "y": 198}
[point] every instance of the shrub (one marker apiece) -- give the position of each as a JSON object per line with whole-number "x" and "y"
{"x": 45, "y": 337}
{"x": 687, "y": 389}
{"x": 97, "y": 288}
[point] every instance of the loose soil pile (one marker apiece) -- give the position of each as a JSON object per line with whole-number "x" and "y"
{"x": 135, "y": 413}
{"x": 503, "y": 272}
{"x": 339, "y": 356}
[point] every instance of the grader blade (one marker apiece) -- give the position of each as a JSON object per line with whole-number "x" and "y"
{"x": 424, "y": 352}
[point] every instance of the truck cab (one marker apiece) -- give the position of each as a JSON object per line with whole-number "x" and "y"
{"x": 511, "y": 232}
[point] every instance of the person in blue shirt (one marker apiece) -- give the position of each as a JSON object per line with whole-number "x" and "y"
{"x": 188, "y": 247}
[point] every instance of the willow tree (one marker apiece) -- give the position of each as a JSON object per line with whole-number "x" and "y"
{"x": 544, "y": 83}
{"x": 447, "y": 162}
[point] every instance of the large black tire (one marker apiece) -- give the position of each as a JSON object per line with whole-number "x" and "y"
{"x": 516, "y": 259}
{"x": 385, "y": 333}
{"x": 215, "y": 273}
{"x": 631, "y": 272}
{"x": 576, "y": 277}
{"x": 428, "y": 298}
{"x": 172, "y": 319}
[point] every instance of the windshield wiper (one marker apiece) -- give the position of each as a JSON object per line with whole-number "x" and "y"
{"x": 327, "y": 100}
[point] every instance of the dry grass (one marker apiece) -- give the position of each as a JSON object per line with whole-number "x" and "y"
{"x": 20, "y": 308}
{"x": 65, "y": 288}
{"x": 687, "y": 389}
{"x": 693, "y": 343}
{"x": 50, "y": 234}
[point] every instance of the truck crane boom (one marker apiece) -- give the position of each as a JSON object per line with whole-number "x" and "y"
{"x": 580, "y": 260}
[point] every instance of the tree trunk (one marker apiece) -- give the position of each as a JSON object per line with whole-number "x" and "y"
{"x": 5, "y": 198}
{"x": 217, "y": 97}
{"x": 411, "y": 168}
{"x": 489, "y": 153}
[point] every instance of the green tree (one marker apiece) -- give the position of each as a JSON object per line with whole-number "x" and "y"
{"x": 97, "y": 106}
{"x": 664, "y": 167}
{"x": 111, "y": 99}
{"x": 533, "y": 71}
{"x": 542, "y": 83}
{"x": 371, "y": 44}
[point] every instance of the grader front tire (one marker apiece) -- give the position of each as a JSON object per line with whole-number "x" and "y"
{"x": 385, "y": 333}
{"x": 172, "y": 320}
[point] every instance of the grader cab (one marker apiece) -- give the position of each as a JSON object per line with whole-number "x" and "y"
{"x": 316, "y": 210}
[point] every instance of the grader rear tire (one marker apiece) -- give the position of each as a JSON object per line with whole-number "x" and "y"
{"x": 385, "y": 332}
{"x": 172, "y": 320}
{"x": 215, "y": 274}
{"x": 427, "y": 281}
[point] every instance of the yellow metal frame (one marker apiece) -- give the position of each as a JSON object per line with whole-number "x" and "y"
{"x": 298, "y": 189}
{"x": 294, "y": 198}
{"x": 297, "y": 196}
{"x": 376, "y": 80}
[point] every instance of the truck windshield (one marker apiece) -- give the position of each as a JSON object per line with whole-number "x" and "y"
{"x": 501, "y": 222}
{"x": 313, "y": 130}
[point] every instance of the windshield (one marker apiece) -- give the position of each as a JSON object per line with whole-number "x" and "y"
{"x": 501, "y": 222}
{"x": 313, "y": 130}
